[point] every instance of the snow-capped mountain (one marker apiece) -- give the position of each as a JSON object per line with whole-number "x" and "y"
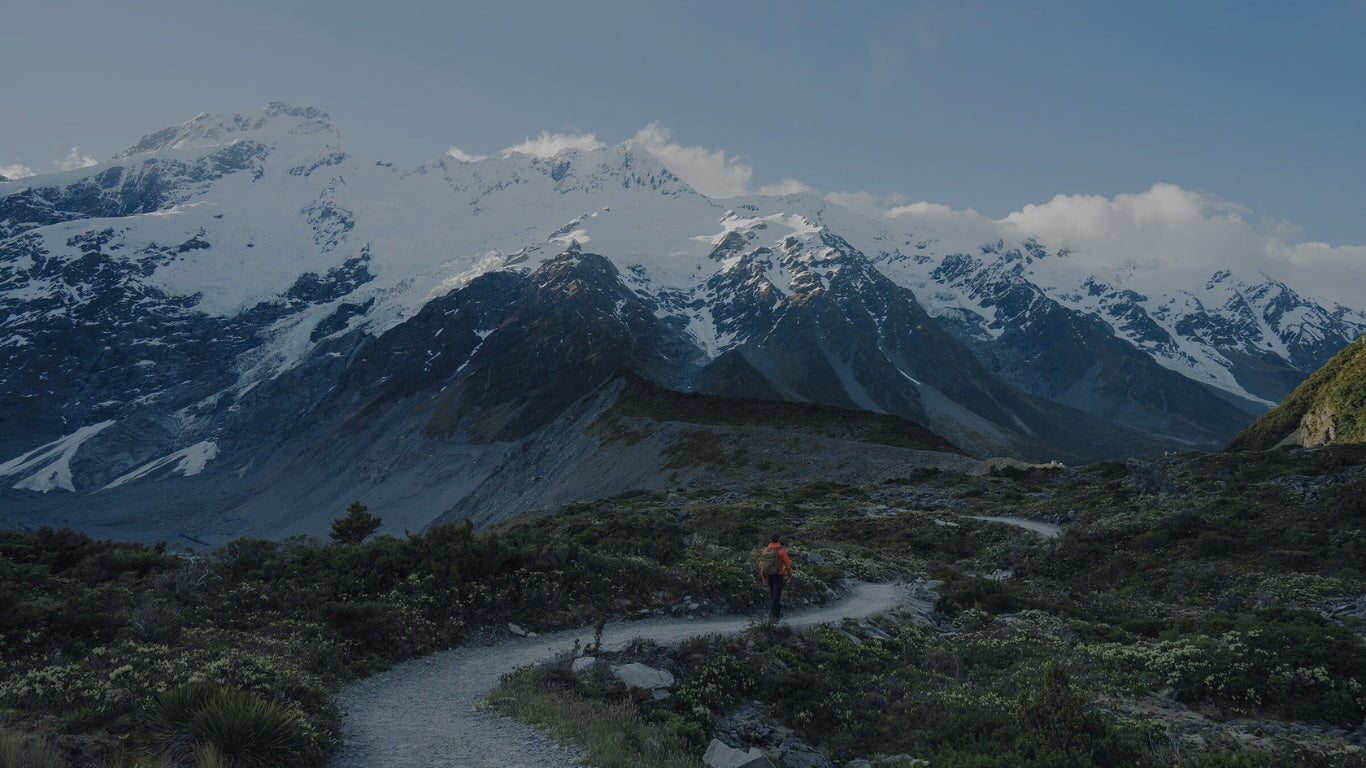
{"x": 236, "y": 300}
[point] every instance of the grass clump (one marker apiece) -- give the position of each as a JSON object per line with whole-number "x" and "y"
{"x": 22, "y": 750}
{"x": 208, "y": 722}
{"x": 611, "y": 733}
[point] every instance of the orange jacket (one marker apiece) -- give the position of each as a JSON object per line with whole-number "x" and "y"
{"x": 784, "y": 563}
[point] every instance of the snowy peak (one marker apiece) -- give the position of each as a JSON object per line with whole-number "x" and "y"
{"x": 569, "y": 172}
{"x": 275, "y": 123}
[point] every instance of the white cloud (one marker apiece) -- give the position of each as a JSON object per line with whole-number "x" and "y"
{"x": 16, "y": 171}
{"x": 863, "y": 202}
{"x": 708, "y": 171}
{"x": 75, "y": 160}
{"x": 1169, "y": 231}
{"x": 463, "y": 156}
{"x": 1333, "y": 272}
{"x": 788, "y": 186}
{"x": 1165, "y": 227}
{"x": 924, "y": 209}
{"x": 551, "y": 144}
{"x": 954, "y": 230}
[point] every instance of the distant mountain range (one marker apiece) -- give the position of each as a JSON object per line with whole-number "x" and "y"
{"x": 236, "y": 326}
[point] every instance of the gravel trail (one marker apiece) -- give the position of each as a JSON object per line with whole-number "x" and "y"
{"x": 421, "y": 713}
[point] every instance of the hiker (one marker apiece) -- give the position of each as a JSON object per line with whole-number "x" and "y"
{"x": 774, "y": 567}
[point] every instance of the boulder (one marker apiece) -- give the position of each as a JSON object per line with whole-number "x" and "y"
{"x": 722, "y": 755}
{"x": 795, "y": 753}
{"x": 745, "y": 727}
{"x": 638, "y": 675}
{"x": 814, "y": 558}
{"x": 582, "y": 664}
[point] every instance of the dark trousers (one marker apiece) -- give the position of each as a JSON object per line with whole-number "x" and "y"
{"x": 775, "y": 594}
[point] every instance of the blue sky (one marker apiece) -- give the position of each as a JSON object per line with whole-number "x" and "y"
{"x": 993, "y": 106}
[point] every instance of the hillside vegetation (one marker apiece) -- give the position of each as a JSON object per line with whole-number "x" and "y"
{"x": 1199, "y": 611}
{"x": 1326, "y": 408}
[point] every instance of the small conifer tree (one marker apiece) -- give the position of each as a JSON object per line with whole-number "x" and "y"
{"x": 355, "y": 525}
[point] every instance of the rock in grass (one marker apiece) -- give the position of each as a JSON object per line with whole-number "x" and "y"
{"x": 721, "y": 755}
{"x": 638, "y": 675}
{"x": 746, "y": 726}
{"x": 795, "y": 753}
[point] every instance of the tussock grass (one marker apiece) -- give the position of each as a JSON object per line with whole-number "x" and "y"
{"x": 21, "y": 750}
{"x": 12, "y": 748}
{"x": 219, "y": 725}
{"x": 611, "y": 733}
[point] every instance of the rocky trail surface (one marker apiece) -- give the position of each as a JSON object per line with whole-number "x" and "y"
{"x": 423, "y": 713}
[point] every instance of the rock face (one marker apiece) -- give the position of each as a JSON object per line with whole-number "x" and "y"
{"x": 238, "y": 327}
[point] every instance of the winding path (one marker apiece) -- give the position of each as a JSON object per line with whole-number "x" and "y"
{"x": 421, "y": 714}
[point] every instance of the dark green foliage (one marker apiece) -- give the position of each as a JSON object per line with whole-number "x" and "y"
{"x": 960, "y": 592}
{"x": 1284, "y": 757}
{"x": 1060, "y": 730}
{"x": 1211, "y": 544}
{"x": 1183, "y": 524}
{"x": 356, "y": 525}
{"x": 1292, "y": 663}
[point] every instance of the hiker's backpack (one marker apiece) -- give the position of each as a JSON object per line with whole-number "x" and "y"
{"x": 768, "y": 561}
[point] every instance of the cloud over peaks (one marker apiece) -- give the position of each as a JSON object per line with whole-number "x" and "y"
{"x": 1158, "y": 237}
{"x": 1171, "y": 230}
{"x": 75, "y": 160}
{"x": 551, "y": 144}
{"x": 1165, "y": 227}
{"x": 788, "y": 186}
{"x": 863, "y": 202}
{"x": 16, "y": 171}
{"x": 708, "y": 171}
{"x": 463, "y": 156}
